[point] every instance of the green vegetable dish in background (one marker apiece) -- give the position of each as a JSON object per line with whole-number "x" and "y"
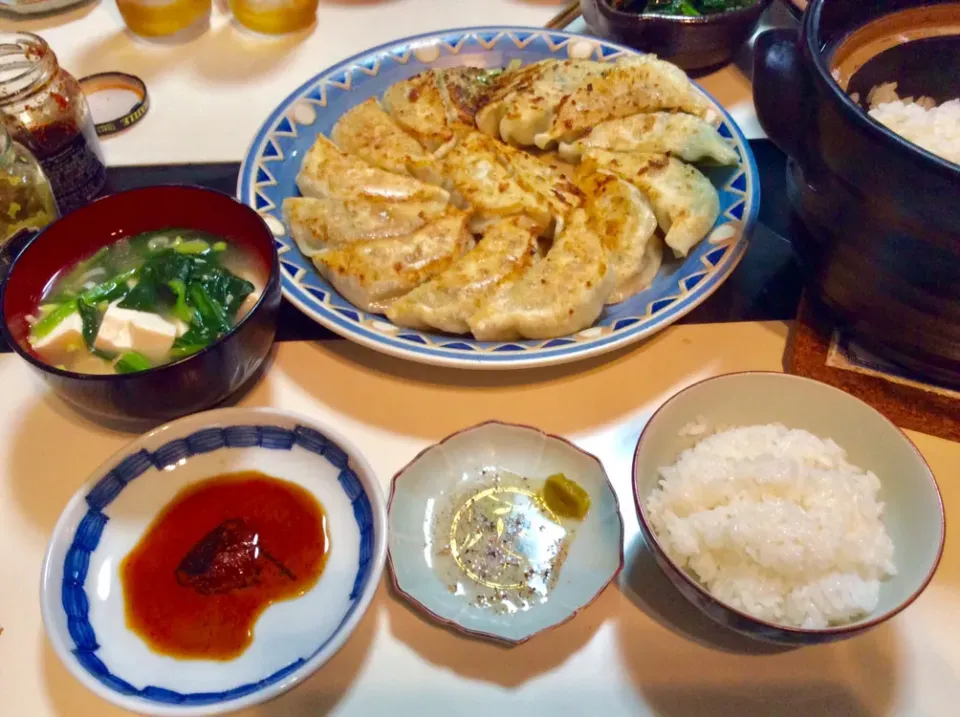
{"x": 144, "y": 301}
{"x": 687, "y": 8}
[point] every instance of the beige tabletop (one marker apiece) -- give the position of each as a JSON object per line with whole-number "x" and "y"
{"x": 210, "y": 93}
{"x": 638, "y": 650}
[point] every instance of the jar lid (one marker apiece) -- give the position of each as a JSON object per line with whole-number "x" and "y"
{"x": 117, "y": 100}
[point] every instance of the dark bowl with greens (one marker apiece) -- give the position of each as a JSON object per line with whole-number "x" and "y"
{"x": 148, "y": 304}
{"x": 693, "y": 34}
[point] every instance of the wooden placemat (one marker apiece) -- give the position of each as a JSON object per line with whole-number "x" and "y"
{"x": 817, "y": 350}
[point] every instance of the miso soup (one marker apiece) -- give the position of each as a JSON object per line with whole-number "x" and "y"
{"x": 144, "y": 301}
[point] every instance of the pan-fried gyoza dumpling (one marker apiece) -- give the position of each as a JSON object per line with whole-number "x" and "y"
{"x": 649, "y": 266}
{"x": 543, "y": 180}
{"x": 367, "y": 132}
{"x": 463, "y": 90}
{"x": 486, "y": 187}
{"x": 434, "y": 104}
{"x": 559, "y": 295}
{"x": 417, "y": 106}
{"x": 372, "y": 274}
{"x": 525, "y": 100}
{"x": 685, "y": 203}
{"x": 329, "y": 172}
{"x": 448, "y": 300}
{"x": 631, "y": 85}
{"x": 684, "y": 136}
{"x": 316, "y": 224}
{"x": 623, "y": 219}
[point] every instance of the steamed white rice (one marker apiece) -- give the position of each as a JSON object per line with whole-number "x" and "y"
{"x": 777, "y": 523}
{"x": 921, "y": 121}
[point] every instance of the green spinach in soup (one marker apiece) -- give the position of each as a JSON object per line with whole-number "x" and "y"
{"x": 144, "y": 301}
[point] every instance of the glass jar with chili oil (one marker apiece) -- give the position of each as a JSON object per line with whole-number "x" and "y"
{"x": 44, "y": 109}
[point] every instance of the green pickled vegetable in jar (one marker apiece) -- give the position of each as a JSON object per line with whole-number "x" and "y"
{"x": 26, "y": 198}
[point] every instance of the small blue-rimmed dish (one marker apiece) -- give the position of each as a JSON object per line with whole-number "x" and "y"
{"x": 430, "y": 549}
{"x": 82, "y": 600}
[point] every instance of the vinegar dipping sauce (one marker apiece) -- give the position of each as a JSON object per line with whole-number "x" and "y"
{"x": 218, "y": 555}
{"x": 501, "y": 540}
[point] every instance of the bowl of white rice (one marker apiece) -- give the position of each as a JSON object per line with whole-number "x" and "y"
{"x": 785, "y": 508}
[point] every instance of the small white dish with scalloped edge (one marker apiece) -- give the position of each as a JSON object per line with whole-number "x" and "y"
{"x": 473, "y": 543}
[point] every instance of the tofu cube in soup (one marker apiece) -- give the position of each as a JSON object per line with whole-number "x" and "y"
{"x": 123, "y": 330}
{"x": 65, "y": 340}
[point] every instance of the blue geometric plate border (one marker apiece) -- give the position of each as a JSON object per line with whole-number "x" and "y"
{"x": 87, "y": 537}
{"x": 268, "y": 176}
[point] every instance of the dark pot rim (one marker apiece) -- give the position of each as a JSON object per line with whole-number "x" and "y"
{"x": 886, "y": 138}
{"x": 273, "y": 279}
{"x": 721, "y": 18}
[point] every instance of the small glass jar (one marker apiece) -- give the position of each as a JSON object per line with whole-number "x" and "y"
{"x": 26, "y": 199}
{"x": 274, "y": 17}
{"x": 44, "y": 109}
{"x": 159, "y": 18}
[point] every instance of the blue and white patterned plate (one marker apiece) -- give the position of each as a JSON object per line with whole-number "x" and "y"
{"x": 82, "y": 599}
{"x": 269, "y": 170}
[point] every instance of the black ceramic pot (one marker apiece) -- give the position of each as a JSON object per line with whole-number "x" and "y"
{"x": 693, "y": 43}
{"x": 881, "y": 244}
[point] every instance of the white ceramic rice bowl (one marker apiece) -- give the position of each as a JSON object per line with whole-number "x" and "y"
{"x": 913, "y": 514}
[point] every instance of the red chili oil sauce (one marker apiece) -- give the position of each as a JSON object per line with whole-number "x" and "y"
{"x": 216, "y": 557}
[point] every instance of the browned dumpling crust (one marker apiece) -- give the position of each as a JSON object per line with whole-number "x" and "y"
{"x": 510, "y": 204}
{"x": 327, "y": 171}
{"x": 368, "y": 132}
{"x": 372, "y": 274}
{"x": 483, "y": 183}
{"x": 316, "y": 224}
{"x": 524, "y": 104}
{"x": 685, "y": 202}
{"x": 560, "y": 295}
{"x": 504, "y": 253}
{"x": 632, "y": 85}
{"x": 623, "y": 218}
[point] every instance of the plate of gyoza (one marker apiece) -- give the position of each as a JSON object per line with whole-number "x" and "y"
{"x": 501, "y": 197}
